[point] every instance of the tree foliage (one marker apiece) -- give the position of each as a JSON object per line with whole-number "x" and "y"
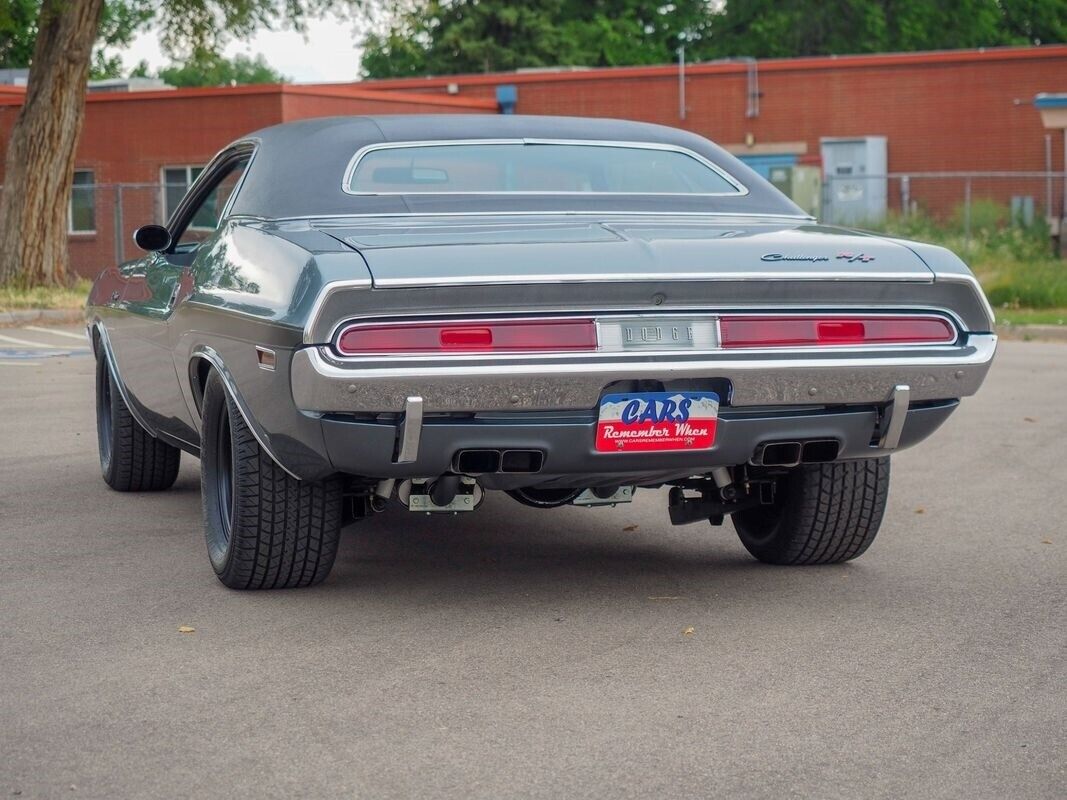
{"x": 187, "y": 27}
{"x": 450, "y": 36}
{"x": 782, "y": 28}
{"x": 39, "y": 162}
{"x": 443, "y": 36}
{"x": 120, "y": 21}
{"x": 205, "y": 68}
{"x": 18, "y": 28}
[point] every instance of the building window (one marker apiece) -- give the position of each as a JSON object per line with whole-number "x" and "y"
{"x": 81, "y": 216}
{"x": 176, "y": 182}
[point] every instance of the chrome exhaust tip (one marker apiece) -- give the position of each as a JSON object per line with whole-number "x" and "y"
{"x": 792, "y": 454}
{"x": 482, "y": 462}
{"x": 777, "y": 454}
{"x": 476, "y": 462}
{"x": 819, "y": 451}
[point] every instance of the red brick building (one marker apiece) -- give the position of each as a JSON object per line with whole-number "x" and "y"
{"x": 133, "y": 143}
{"x": 962, "y": 109}
{"x": 957, "y": 111}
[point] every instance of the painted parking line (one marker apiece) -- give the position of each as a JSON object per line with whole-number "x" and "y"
{"x": 31, "y": 345}
{"x": 22, "y": 354}
{"x": 28, "y": 343}
{"x": 53, "y": 332}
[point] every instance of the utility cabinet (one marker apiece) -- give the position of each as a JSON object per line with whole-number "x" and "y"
{"x": 855, "y": 182}
{"x": 801, "y": 183}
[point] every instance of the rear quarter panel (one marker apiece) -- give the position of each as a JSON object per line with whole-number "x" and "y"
{"x": 252, "y": 287}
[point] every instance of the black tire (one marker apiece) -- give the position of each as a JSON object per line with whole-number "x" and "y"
{"x": 265, "y": 529}
{"x": 822, "y": 514}
{"x": 131, "y": 459}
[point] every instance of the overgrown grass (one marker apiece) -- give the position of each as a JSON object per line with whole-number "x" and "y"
{"x": 66, "y": 298}
{"x": 1032, "y": 316}
{"x": 1014, "y": 262}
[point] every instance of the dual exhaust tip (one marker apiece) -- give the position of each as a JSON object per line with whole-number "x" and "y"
{"x": 481, "y": 462}
{"x": 768, "y": 454}
{"x": 792, "y": 454}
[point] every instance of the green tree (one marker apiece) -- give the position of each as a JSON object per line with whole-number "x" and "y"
{"x": 57, "y": 38}
{"x": 442, "y": 37}
{"x": 18, "y": 20}
{"x": 212, "y": 69}
{"x": 782, "y": 28}
{"x": 421, "y": 37}
{"x": 121, "y": 19}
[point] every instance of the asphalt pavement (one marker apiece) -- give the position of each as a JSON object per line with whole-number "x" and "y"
{"x": 511, "y": 652}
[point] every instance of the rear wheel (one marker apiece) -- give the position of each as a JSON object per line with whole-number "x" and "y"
{"x": 265, "y": 529}
{"x": 822, "y": 514}
{"x": 131, "y": 459}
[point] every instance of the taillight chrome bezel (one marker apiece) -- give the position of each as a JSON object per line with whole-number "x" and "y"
{"x": 453, "y": 326}
{"x": 599, "y": 321}
{"x": 807, "y": 331}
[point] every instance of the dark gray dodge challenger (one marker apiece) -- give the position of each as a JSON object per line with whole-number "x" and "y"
{"x": 348, "y": 312}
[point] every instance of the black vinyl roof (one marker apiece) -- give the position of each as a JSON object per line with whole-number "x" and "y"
{"x": 299, "y": 166}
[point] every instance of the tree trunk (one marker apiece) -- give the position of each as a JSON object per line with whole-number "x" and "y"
{"x": 40, "y": 155}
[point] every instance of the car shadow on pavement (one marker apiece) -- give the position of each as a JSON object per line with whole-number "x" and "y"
{"x": 505, "y": 547}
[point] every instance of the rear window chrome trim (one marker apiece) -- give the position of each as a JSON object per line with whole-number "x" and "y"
{"x": 350, "y": 170}
{"x": 334, "y": 220}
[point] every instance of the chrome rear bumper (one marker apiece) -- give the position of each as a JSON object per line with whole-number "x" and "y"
{"x": 322, "y": 383}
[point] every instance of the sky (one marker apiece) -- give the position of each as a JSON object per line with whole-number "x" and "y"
{"x": 327, "y": 52}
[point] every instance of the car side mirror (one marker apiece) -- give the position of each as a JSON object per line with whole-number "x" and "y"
{"x": 152, "y": 238}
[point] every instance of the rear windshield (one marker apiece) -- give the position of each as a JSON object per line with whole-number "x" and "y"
{"x": 541, "y": 168}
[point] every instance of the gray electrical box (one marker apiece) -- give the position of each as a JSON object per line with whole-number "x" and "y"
{"x": 855, "y": 187}
{"x": 801, "y": 183}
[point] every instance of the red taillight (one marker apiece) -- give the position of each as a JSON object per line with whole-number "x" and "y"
{"x": 495, "y": 336}
{"x": 831, "y": 331}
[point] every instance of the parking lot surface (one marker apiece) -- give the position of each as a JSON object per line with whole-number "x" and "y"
{"x": 520, "y": 653}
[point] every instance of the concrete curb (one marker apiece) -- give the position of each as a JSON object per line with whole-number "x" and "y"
{"x": 32, "y": 315}
{"x": 1047, "y": 333}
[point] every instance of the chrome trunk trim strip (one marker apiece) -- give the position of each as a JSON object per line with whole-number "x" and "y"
{"x": 703, "y": 277}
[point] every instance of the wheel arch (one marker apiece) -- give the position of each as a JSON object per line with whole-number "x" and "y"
{"x": 102, "y": 348}
{"x": 199, "y": 369}
{"x": 202, "y": 362}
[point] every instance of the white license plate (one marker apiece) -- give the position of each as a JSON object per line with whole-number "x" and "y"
{"x": 657, "y": 421}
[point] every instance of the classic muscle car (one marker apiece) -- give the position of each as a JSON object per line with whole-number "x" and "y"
{"x": 350, "y": 312}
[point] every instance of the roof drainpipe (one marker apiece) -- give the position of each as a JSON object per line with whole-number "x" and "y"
{"x": 753, "y": 95}
{"x": 681, "y": 82}
{"x": 507, "y": 96}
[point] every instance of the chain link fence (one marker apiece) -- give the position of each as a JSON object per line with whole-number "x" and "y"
{"x": 103, "y": 217}
{"x": 960, "y": 200}
{"x": 105, "y": 235}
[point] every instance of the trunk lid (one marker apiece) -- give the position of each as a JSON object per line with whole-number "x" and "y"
{"x": 441, "y": 251}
